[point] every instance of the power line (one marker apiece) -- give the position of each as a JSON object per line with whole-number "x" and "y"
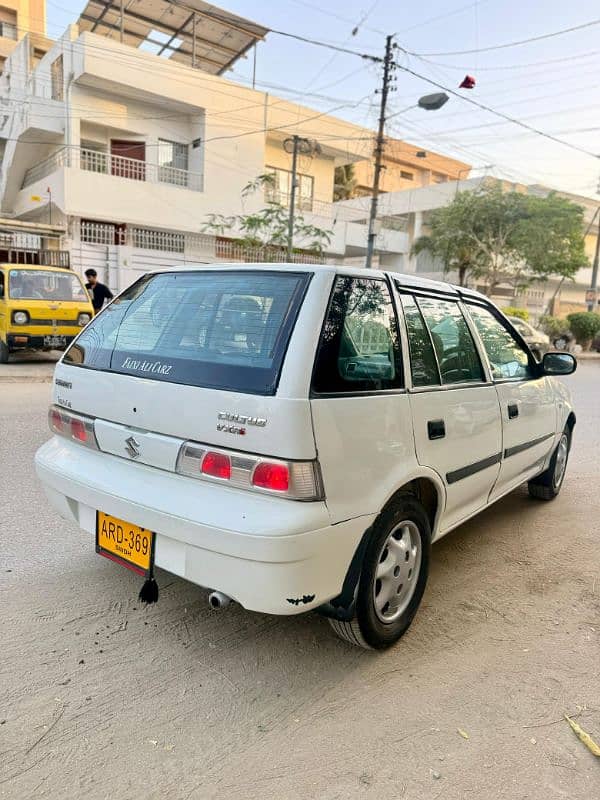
{"x": 328, "y": 45}
{"x": 511, "y": 44}
{"x": 497, "y": 113}
{"x": 442, "y": 16}
{"x": 515, "y": 66}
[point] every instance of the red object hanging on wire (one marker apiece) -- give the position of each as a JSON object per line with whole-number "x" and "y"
{"x": 468, "y": 82}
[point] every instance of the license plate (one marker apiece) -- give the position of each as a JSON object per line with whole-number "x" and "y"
{"x": 125, "y": 543}
{"x": 55, "y": 341}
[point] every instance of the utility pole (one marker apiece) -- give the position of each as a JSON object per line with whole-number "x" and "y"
{"x": 290, "y": 241}
{"x": 593, "y": 291}
{"x": 306, "y": 147}
{"x": 388, "y": 66}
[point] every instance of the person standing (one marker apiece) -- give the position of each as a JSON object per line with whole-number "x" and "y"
{"x": 98, "y": 291}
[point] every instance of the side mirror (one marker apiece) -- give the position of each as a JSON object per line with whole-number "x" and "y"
{"x": 559, "y": 364}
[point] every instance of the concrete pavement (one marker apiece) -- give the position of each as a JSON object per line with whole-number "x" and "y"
{"x": 100, "y": 698}
{"x": 29, "y": 368}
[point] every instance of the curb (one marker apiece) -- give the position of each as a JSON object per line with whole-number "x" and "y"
{"x": 26, "y": 378}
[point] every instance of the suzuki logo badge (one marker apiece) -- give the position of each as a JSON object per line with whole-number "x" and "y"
{"x": 132, "y": 447}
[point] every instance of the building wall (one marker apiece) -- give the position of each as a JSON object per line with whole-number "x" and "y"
{"x": 320, "y": 167}
{"x": 405, "y": 170}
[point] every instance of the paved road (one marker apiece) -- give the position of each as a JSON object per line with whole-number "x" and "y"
{"x": 100, "y": 698}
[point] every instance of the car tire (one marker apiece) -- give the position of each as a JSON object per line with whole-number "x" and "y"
{"x": 548, "y": 485}
{"x": 4, "y": 353}
{"x": 393, "y": 577}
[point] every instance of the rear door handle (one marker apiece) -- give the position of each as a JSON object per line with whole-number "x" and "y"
{"x": 513, "y": 410}
{"x": 436, "y": 428}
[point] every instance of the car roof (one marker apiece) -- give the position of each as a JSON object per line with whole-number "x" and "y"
{"x": 38, "y": 267}
{"x": 410, "y": 281}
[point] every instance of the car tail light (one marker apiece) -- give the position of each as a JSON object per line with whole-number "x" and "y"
{"x": 78, "y": 430}
{"x": 73, "y": 426}
{"x": 271, "y": 476}
{"x": 295, "y": 480}
{"x": 56, "y": 421}
{"x": 217, "y": 465}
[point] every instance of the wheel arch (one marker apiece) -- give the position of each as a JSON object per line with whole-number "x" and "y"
{"x": 428, "y": 490}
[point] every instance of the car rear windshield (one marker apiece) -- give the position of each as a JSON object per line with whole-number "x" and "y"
{"x": 44, "y": 284}
{"x": 216, "y": 329}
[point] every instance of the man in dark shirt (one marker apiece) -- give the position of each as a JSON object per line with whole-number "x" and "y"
{"x": 98, "y": 291}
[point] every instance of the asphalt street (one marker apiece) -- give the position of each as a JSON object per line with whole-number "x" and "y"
{"x": 100, "y": 698}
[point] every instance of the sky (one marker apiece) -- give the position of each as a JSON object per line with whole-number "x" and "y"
{"x": 552, "y": 85}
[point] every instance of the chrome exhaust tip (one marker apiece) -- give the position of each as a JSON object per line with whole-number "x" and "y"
{"x": 218, "y": 600}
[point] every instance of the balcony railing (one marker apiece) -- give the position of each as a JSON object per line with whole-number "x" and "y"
{"x": 39, "y": 257}
{"x": 121, "y": 167}
{"x": 233, "y": 251}
{"x": 137, "y": 170}
{"x": 46, "y": 167}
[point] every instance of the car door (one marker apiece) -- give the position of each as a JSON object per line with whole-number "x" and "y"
{"x": 454, "y": 405}
{"x": 360, "y": 410}
{"x": 527, "y": 402}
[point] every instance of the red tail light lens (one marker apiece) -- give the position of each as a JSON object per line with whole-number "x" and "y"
{"x": 271, "y": 476}
{"x": 295, "y": 480}
{"x": 56, "y": 421}
{"x": 217, "y": 465}
{"x": 73, "y": 426}
{"x": 78, "y": 430}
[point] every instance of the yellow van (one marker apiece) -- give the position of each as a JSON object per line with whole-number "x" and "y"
{"x": 41, "y": 308}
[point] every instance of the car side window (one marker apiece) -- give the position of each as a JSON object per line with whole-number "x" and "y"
{"x": 454, "y": 346}
{"x": 507, "y": 357}
{"x": 423, "y": 363}
{"x": 359, "y": 349}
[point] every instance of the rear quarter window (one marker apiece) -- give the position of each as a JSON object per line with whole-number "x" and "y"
{"x": 223, "y": 330}
{"x": 359, "y": 349}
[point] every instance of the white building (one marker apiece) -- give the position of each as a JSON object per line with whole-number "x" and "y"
{"x": 132, "y": 151}
{"x": 408, "y": 211}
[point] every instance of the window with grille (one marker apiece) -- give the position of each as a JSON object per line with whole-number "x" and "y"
{"x": 172, "y": 162}
{"x": 281, "y": 189}
{"x": 57, "y": 79}
{"x": 148, "y": 239}
{"x": 8, "y": 23}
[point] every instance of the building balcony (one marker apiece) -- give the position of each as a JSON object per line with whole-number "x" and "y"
{"x": 104, "y": 163}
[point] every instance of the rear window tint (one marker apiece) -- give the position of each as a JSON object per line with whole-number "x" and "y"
{"x": 221, "y": 330}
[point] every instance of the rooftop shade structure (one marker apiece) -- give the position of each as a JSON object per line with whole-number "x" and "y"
{"x": 191, "y": 32}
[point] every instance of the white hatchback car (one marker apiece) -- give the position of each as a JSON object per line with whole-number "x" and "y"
{"x": 296, "y": 437}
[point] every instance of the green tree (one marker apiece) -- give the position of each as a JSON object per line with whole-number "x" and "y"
{"x": 450, "y": 240}
{"x": 266, "y": 230}
{"x": 549, "y": 237}
{"x": 498, "y": 237}
{"x": 584, "y": 325}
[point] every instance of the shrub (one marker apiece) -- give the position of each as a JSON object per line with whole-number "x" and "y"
{"x": 584, "y": 324}
{"x": 553, "y": 326}
{"x": 521, "y": 313}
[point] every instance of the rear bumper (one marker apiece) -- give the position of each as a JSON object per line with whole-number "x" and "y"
{"x": 15, "y": 341}
{"x": 266, "y": 553}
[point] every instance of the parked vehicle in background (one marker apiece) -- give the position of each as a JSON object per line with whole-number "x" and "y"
{"x": 41, "y": 308}
{"x": 538, "y": 341}
{"x": 296, "y": 437}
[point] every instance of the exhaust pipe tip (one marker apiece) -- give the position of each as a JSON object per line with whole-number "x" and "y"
{"x": 218, "y": 600}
